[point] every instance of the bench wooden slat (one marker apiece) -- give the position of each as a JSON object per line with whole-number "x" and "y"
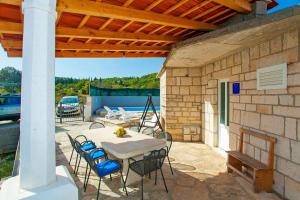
{"x": 249, "y": 179}
{"x": 259, "y": 135}
{"x": 247, "y": 160}
{"x": 262, "y": 177}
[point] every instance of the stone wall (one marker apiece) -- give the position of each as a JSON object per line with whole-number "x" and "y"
{"x": 272, "y": 112}
{"x": 181, "y": 103}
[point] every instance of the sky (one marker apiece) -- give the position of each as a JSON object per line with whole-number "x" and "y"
{"x": 94, "y": 67}
{"x": 284, "y": 4}
{"x": 109, "y": 67}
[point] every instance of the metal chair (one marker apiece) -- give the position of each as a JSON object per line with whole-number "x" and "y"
{"x": 101, "y": 169}
{"x": 148, "y": 164}
{"x": 96, "y": 125}
{"x": 168, "y": 138}
{"x": 134, "y": 128}
{"x": 95, "y": 154}
{"x": 86, "y": 145}
{"x": 148, "y": 131}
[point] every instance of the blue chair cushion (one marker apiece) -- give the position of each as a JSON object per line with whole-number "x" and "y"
{"x": 88, "y": 146}
{"x": 97, "y": 154}
{"x": 107, "y": 167}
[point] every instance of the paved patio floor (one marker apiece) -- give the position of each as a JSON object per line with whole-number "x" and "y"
{"x": 199, "y": 173}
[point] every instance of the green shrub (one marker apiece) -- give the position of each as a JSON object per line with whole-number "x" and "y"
{"x": 6, "y": 165}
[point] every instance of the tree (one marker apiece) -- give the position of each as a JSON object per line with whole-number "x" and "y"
{"x": 10, "y": 74}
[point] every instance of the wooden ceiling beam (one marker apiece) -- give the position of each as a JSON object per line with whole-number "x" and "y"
{"x": 127, "y": 3}
{"x": 93, "y": 8}
{"x": 141, "y": 28}
{"x": 148, "y": 8}
{"x": 154, "y": 4}
{"x": 90, "y": 33}
{"x": 225, "y": 17}
{"x": 204, "y": 3}
{"x": 83, "y": 21}
{"x": 169, "y": 31}
{"x": 157, "y": 29}
{"x": 207, "y": 12}
{"x": 180, "y": 32}
{"x": 95, "y": 47}
{"x": 217, "y": 15}
{"x": 125, "y": 26}
{"x": 67, "y": 54}
{"x": 12, "y": 2}
{"x": 58, "y": 16}
{"x": 103, "y": 26}
{"x": 17, "y": 28}
{"x": 242, "y": 6}
{"x": 175, "y": 6}
{"x": 81, "y": 24}
{"x": 11, "y": 27}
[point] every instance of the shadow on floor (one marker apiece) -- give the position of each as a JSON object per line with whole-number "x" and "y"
{"x": 187, "y": 183}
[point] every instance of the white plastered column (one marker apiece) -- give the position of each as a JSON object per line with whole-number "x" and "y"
{"x": 37, "y": 152}
{"x": 39, "y": 178}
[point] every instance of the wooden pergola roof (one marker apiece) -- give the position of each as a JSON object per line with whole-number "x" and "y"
{"x": 121, "y": 28}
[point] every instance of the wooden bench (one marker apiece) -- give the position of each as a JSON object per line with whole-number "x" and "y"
{"x": 254, "y": 171}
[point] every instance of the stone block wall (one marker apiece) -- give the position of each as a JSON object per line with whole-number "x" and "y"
{"x": 272, "y": 112}
{"x": 181, "y": 103}
{"x": 191, "y": 99}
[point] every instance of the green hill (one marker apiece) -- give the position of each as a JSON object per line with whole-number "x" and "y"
{"x": 10, "y": 82}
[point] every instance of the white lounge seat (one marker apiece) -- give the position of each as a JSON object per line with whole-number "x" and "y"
{"x": 111, "y": 114}
{"x": 152, "y": 123}
{"x": 127, "y": 116}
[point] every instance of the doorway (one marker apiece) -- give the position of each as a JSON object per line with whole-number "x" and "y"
{"x": 223, "y": 93}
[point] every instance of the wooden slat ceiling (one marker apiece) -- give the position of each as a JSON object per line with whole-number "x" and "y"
{"x": 121, "y": 28}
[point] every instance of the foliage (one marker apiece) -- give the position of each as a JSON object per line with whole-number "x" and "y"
{"x": 3, "y": 91}
{"x": 149, "y": 81}
{"x": 11, "y": 81}
{"x": 70, "y": 87}
{"x": 6, "y": 165}
{"x": 10, "y": 74}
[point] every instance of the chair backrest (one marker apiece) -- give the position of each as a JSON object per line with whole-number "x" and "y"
{"x": 148, "y": 131}
{"x": 78, "y": 146}
{"x": 167, "y": 137}
{"x": 134, "y": 128}
{"x": 86, "y": 156}
{"x": 154, "y": 118}
{"x": 157, "y": 157}
{"x": 96, "y": 125}
{"x": 71, "y": 140}
{"x": 107, "y": 109}
{"x": 122, "y": 111}
{"x": 90, "y": 161}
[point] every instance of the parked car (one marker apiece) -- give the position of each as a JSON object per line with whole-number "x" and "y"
{"x": 10, "y": 107}
{"x": 68, "y": 105}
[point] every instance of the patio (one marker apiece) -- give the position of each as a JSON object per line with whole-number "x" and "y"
{"x": 195, "y": 174}
{"x": 206, "y": 57}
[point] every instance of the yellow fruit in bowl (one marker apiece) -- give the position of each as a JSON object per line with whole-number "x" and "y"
{"x": 120, "y": 131}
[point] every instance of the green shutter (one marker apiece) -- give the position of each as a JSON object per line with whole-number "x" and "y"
{"x": 222, "y": 104}
{"x": 227, "y": 121}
